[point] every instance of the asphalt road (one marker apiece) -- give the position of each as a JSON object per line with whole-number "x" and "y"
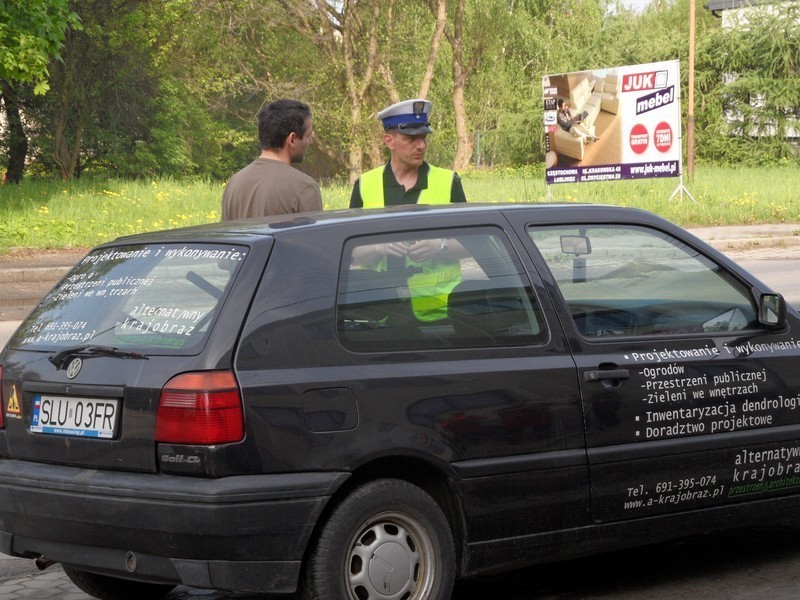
{"x": 780, "y": 275}
{"x": 742, "y": 564}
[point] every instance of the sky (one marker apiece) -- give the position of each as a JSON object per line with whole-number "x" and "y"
{"x": 637, "y": 5}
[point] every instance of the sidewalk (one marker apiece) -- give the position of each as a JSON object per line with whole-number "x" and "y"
{"x": 754, "y": 241}
{"x": 25, "y": 277}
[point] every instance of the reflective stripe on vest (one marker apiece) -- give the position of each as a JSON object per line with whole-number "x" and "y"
{"x": 440, "y": 184}
{"x": 430, "y": 290}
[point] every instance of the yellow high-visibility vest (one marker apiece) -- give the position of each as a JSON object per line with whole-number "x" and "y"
{"x": 429, "y": 289}
{"x": 440, "y": 183}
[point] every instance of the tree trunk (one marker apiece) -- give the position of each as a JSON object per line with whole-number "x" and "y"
{"x": 66, "y": 132}
{"x": 465, "y": 140}
{"x": 61, "y": 150}
{"x": 66, "y": 154}
{"x": 69, "y": 119}
{"x": 356, "y": 89}
{"x": 460, "y": 75}
{"x": 356, "y": 156}
{"x": 18, "y": 141}
{"x": 440, "y": 12}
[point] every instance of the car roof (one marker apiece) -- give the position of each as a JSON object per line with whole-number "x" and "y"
{"x": 274, "y": 226}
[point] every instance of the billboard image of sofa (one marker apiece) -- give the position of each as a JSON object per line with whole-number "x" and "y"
{"x": 630, "y": 126}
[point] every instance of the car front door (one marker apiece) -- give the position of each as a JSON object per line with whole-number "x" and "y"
{"x": 689, "y": 401}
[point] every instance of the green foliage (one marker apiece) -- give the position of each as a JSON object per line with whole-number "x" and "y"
{"x": 172, "y": 88}
{"x": 103, "y": 93}
{"x": 82, "y": 213}
{"x": 751, "y": 95}
{"x": 31, "y": 33}
{"x": 42, "y": 214}
{"x": 250, "y": 55}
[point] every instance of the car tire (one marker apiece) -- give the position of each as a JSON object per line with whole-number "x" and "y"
{"x": 114, "y": 588}
{"x": 388, "y": 539}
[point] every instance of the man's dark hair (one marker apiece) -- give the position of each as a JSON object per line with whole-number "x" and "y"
{"x": 560, "y": 102}
{"x": 278, "y": 119}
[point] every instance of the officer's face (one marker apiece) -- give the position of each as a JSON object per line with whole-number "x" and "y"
{"x": 408, "y": 149}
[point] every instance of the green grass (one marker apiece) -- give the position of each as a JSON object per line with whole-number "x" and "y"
{"x": 80, "y": 214}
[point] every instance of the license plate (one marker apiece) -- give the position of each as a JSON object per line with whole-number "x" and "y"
{"x": 80, "y": 417}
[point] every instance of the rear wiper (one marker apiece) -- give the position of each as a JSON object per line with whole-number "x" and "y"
{"x": 60, "y": 359}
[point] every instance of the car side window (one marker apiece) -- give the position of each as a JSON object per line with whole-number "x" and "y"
{"x": 626, "y": 280}
{"x": 435, "y": 289}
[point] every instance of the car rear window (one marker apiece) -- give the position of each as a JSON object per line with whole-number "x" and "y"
{"x": 156, "y": 298}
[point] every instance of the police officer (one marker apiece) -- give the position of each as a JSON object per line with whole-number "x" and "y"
{"x": 406, "y": 178}
{"x": 431, "y": 267}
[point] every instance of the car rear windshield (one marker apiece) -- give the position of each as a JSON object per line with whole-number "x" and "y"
{"x": 156, "y": 298}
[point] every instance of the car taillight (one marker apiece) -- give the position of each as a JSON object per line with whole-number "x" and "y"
{"x": 200, "y": 408}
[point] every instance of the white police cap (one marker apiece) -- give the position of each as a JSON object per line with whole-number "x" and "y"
{"x": 409, "y": 117}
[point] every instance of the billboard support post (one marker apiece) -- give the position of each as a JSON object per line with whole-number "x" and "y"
{"x": 681, "y": 189}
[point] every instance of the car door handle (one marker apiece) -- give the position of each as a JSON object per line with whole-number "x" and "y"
{"x": 604, "y": 374}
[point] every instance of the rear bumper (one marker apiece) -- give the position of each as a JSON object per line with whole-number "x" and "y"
{"x": 245, "y": 533}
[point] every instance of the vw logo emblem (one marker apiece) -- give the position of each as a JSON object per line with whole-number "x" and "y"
{"x": 74, "y": 368}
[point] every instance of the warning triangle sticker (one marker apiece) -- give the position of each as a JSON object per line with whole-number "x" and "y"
{"x": 13, "y": 401}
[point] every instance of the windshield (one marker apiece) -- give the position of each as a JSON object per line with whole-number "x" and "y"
{"x": 155, "y": 298}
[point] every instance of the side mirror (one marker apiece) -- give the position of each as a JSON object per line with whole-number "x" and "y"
{"x": 576, "y": 245}
{"x": 772, "y": 311}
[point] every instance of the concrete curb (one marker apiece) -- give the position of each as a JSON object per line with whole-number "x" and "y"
{"x": 780, "y": 237}
{"x": 27, "y": 276}
{"x": 33, "y": 274}
{"x": 21, "y": 289}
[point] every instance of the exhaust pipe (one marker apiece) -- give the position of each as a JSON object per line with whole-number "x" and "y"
{"x": 42, "y": 563}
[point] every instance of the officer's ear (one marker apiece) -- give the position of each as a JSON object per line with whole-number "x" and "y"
{"x": 389, "y": 136}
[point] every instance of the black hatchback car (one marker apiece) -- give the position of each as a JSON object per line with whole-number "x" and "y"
{"x": 370, "y": 404}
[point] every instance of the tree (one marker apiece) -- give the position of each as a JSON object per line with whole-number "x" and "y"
{"x": 519, "y": 41}
{"x": 251, "y": 53}
{"x": 103, "y": 88}
{"x": 751, "y": 87}
{"x": 31, "y": 34}
{"x": 173, "y": 88}
{"x": 355, "y": 38}
{"x": 462, "y": 65}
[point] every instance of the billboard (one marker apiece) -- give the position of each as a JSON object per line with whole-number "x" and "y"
{"x": 623, "y": 123}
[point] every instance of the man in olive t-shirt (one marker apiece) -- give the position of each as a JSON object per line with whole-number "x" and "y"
{"x": 270, "y": 185}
